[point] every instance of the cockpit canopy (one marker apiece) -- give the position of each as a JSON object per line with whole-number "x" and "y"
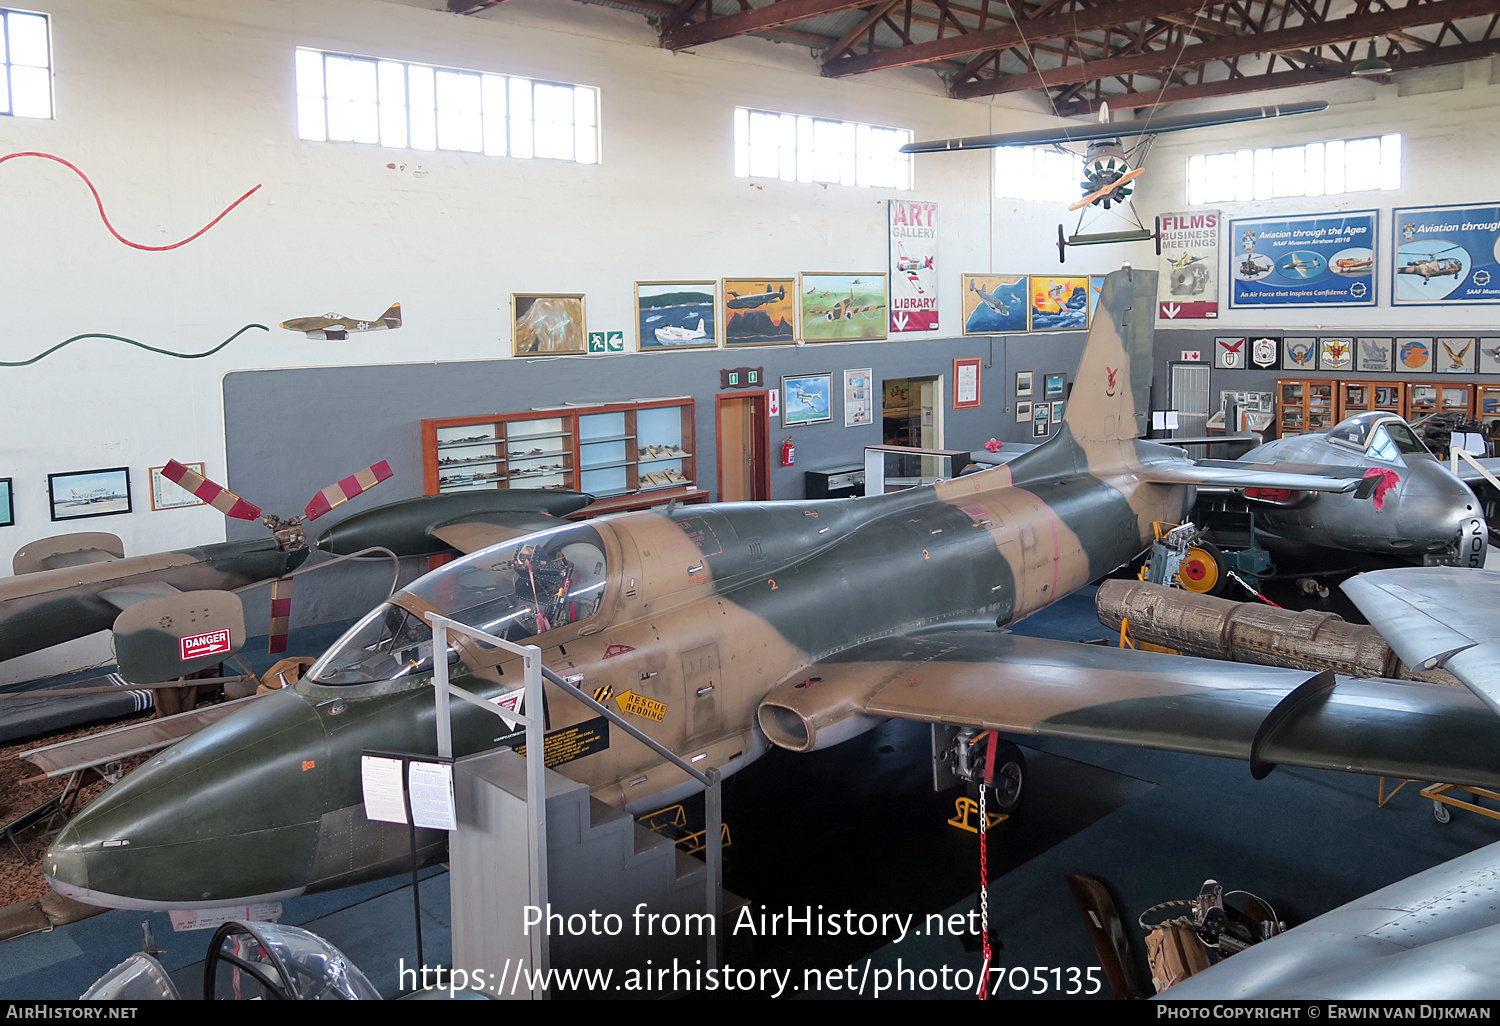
{"x": 516, "y": 591}
{"x": 1382, "y": 436}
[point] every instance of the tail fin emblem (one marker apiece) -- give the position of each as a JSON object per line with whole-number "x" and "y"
{"x": 1111, "y": 371}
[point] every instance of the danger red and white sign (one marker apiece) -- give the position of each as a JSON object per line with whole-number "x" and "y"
{"x": 200, "y": 645}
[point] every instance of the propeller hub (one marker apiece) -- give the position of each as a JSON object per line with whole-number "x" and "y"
{"x": 288, "y": 533}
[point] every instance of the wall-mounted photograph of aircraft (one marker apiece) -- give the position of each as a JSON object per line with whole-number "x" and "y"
{"x": 336, "y": 326}
{"x": 1110, "y": 168}
{"x": 800, "y": 624}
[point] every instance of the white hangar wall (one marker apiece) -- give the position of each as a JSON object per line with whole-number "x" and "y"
{"x": 174, "y": 108}
{"x": 1449, "y": 121}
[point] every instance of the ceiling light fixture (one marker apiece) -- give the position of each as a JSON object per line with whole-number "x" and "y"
{"x": 1372, "y": 65}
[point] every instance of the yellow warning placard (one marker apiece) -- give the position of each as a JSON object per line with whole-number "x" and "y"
{"x": 640, "y": 705}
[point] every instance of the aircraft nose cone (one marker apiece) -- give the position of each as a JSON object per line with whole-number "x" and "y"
{"x": 1439, "y": 512}
{"x": 227, "y": 816}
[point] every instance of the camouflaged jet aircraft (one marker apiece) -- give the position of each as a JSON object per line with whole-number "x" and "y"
{"x": 722, "y": 629}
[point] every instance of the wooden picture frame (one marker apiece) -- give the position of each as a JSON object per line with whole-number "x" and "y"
{"x": 548, "y": 324}
{"x": 672, "y": 307}
{"x": 995, "y": 304}
{"x": 836, "y": 306}
{"x": 1023, "y": 384}
{"x": 758, "y": 311}
{"x": 1023, "y": 412}
{"x": 1057, "y": 386}
{"x": 81, "y": 494}
{"x": 170, "y": 495}
{"x": 966, "y": 382}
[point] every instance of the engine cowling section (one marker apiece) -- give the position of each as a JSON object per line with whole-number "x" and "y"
{"x": 821, "y": 707}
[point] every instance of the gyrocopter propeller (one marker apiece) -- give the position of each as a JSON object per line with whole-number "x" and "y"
{"x": 288, "y": 533}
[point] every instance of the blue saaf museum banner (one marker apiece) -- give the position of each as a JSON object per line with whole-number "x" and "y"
{"x": 1447, "y": 255}
{"x": 1306, "y": 260}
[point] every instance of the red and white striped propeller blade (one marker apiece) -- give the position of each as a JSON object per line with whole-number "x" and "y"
{"x": 281, "y": 614}
{"x": 336, "y": 495}
{"x": 220, "y": 498}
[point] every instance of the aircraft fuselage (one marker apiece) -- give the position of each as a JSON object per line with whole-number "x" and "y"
{"x": 706, "y": 610}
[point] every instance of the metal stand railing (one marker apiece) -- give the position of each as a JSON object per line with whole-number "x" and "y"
{"x": 533, "y": 674}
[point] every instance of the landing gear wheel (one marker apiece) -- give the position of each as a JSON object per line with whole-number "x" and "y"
{"x": 1010, "y": 774}
{"x": 1440, "y": 811}
{"x": 1203, "y": 570}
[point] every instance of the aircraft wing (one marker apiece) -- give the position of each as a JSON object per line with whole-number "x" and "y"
{"x": 127, "y": 595}
{"x": 1268, "y": 715}
{"x": 480, "y": 530}
{"x": 1438, "y": 616}
{"x": 1084, "y": 131}
{"x": 1298, "y": 477}
{"x": 1470, "y": 474}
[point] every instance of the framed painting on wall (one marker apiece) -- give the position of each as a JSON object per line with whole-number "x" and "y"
{"x": 1023, "y": 413}
{"x": 547, "y": 325}
{"x": 1057, "y": 385}
{"x": 1489, "y": 356}
{"x": 170, "y": 495}
{"x": 676, "y": 315}
{"x": 1414, "y": 355}
{"x": 1455, "y": 355}
{"x": 759, "y": 311}
{"x": 1373, "y": 355}
{"x": 89, "y": 493}
{"x": 1023, "y": 384}
{"x": 966, "y": 383}
{"x": 994, "y": 303}
{"x": 1059, "y": 303}
{"x": 1299, "y": 354}
{"x": 1335, "y": 353}
{"x": 805, "y": 399}
{"x": 7, "y": 503}
{"x": 837, "y": 307}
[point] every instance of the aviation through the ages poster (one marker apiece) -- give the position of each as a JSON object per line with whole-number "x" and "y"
{"x": 1304, "y": 260}
{"x": 1188, "y": 286}
{"x": 1447, "y": 255}
{"x": 914, "y": 281}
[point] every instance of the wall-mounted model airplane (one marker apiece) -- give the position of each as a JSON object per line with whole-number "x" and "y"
{"x": 1109, "y": 167}
{"x": 800, "y": 624}
{"x": 337, "y": 327}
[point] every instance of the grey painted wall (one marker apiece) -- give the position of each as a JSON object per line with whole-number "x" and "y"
{"x": 289, "y": 433}
{"x": 1170, "y": 344}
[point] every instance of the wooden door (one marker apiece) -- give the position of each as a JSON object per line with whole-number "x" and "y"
{"x": 744, "y": 457}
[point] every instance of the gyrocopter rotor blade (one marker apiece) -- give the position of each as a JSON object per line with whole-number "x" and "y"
{"x": 354, "y": 485}
{"x": 217, "y": 496}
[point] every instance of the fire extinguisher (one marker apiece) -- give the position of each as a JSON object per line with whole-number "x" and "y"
{"x": 788, "y": 453}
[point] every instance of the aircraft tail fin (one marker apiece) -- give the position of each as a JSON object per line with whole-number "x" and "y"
{"x": 392, "y": 317}
{"x": 1111, "y": 394}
